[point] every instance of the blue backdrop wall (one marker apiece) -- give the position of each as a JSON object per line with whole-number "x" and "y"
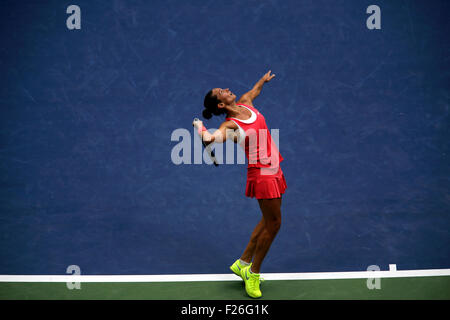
{"x": 87, "y": 117}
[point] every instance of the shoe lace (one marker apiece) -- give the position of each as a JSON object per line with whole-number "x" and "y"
{"x": 254, "y": 282}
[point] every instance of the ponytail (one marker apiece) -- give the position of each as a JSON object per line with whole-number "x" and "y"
{"x": 207, "y": 114}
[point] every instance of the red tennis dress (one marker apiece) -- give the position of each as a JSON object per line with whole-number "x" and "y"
{"x": 265, "y": 179}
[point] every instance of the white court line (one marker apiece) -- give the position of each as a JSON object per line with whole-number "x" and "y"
{"x": 225, "y": 277}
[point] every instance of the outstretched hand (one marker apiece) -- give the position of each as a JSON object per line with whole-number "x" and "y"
{"x": 267, "y": 77}
{"x": 197, "y": 123}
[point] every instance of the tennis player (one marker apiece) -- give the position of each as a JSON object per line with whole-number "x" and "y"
{"x": 245, "y": 125}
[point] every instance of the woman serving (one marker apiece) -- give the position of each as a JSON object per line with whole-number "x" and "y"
{"x": 245, "y": 125}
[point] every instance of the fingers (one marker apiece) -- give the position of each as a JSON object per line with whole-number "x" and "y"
{"x": 269, "y": 76}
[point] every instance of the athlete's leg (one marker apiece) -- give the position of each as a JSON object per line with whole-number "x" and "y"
{"x": 271, "y": 210}
{"x": 249, "y": 251}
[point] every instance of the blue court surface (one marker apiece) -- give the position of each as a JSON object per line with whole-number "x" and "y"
{"x": 87, "y": 117}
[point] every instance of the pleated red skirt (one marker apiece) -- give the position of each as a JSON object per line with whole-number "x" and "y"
{"x": 261, "y": 185}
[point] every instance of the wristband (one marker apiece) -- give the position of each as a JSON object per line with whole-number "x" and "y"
{"x": 200, "y": 130}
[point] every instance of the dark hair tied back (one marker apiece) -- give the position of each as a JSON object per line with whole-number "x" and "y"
{"x": 211, "y": 107}
{"x": 207, "y": 114}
